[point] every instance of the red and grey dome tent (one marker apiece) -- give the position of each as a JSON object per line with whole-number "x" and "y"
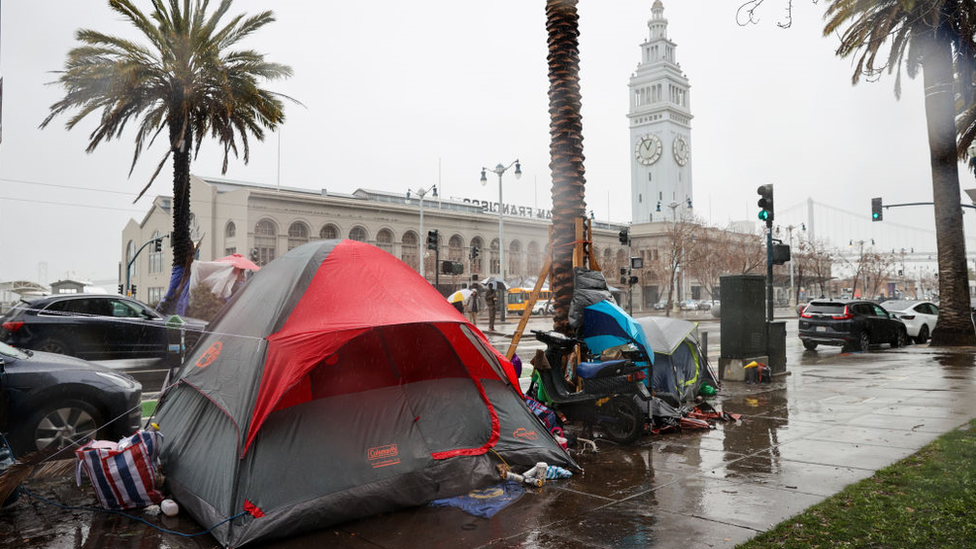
{"x": 337, "y": 384}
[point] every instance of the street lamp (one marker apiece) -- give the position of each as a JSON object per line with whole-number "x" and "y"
{"x": 422, "y": 192}
{"x": 789, "y": 232}
{"x": 499, "y": 169}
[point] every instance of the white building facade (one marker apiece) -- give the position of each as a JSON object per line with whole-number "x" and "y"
{"x": 660, "y": 127}
{"x": 266, "y": 221}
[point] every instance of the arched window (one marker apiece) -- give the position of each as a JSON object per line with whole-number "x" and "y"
{"x": 230, "y": 231}
{"x": 515, "y": 259}
{"x": 358, "y": 234}
{"x": 479, "y": 243}
{"x": 408, "y": 250}
{"x": 329, "y": 232}
{"x": 265, "y": 241}
{"x": 494, "y": 263}
{"x": 297, "y": 234}
{"x": 533, "y": 259}
{"x": 455, "y": 248}
{"x": 609, "y": 265}
{"x": 384, "y": 240}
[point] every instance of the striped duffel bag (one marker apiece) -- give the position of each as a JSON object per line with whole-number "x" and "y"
{"x": 123, "y": 474}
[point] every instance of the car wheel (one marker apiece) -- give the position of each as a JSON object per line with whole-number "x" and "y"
{"x": 900, "y": 340}
{"x": 53, "y": 346}
{"x": 863, "y": 342}
{"x": 810, "y": 345}
{"x": 923, "y": 335}
{"x": 59, "y": 424}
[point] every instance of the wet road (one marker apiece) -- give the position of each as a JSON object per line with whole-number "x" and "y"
{"x": 834, "y": 420}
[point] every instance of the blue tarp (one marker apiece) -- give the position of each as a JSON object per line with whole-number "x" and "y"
{"x": 485, "y": 503}
{"x": 606, "y": 325}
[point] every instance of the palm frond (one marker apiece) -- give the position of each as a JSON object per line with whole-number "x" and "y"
{"x": 26, "y": 465}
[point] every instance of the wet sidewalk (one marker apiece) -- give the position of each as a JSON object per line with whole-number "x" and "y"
{"x": 835, "y": 420}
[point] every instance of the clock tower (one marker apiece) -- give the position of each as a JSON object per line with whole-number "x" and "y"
{"x": 660, "y": 126}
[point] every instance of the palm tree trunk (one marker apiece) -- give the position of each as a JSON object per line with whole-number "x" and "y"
{"x": 565, "y": 149}
{"x": 180, "y": 240}
{"x": 955, "y": 325}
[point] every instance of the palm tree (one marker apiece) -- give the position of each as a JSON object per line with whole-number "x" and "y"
{"x": 922, "y": 34}
{"x": 565, "y": 150}
{"x": 188, "y": 81}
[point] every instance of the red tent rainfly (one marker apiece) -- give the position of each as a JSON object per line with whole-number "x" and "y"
{"x": 338, "y": 384}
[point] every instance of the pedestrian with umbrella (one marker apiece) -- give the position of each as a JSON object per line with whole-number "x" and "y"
{"x": 471, "y": 307}
{"x": 490, "y": 297}
{"x": 457, "y": 298}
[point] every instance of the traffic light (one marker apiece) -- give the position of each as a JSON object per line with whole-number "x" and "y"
{"x": 158, "y": 245}
{"x": 132, "y": 289}
{"x": 432, "y": 239}
{"x": 876, "y": 213}
{"x": 632, "y": 280}
{"x": 625, "y": 236}
{"x": 474, "y": 252}
{"x": 766, "y": 202}
{"x": 121, "y": 289}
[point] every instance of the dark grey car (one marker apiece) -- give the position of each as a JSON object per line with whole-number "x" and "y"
{"x": 854, "y": 325}
{"x": 91, "y": 326}
{"x": 48, "y": 399}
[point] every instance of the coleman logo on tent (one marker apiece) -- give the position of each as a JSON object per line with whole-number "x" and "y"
{"x": 381, "y": 456}
{"x": 210, "y": 355}
{"x": 522, "y": 432}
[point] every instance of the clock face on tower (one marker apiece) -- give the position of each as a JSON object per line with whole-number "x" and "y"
{"x": 681, "y": 151}
{"x": 648, "y": 149}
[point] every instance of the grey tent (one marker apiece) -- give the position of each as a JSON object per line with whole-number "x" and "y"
{"x": 679, "y": 368}
{"x": 336, "y": 384}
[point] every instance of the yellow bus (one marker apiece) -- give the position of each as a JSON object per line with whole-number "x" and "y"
{"x": 519, "y": 297}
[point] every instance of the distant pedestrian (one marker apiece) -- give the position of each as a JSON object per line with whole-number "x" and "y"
{"x": 490, "y": 297}
{"x": 471, "y": 307}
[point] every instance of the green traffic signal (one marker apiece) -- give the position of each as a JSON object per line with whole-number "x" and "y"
{"x": 765, "y": 202}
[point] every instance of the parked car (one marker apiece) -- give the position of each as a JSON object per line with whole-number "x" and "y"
{"x": 48, "y": 399}
{"x": 688, "y": 305}
{"x": 919, "y": 317}
{"x": 705, "y": 305}
{"x": 542, "y": 307}
{"x": 854, "y": 324}
{"x": 661, "y": 305}
{"x": 92, "y": 327}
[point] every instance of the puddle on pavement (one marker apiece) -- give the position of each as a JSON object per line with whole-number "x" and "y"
{"x": 956, "y": 360}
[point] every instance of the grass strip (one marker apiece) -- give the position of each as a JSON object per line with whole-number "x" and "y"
{"x": 926, "y": 500}
{"x": 148, "y": 407}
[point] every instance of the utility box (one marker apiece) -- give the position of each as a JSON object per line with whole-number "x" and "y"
{"x": 743, "y": 333}
{"x": 777, "y": 347}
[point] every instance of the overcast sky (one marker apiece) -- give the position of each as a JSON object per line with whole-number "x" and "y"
{"x": 399, "y": 95}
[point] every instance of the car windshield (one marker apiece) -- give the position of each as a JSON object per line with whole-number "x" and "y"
{"x": 8, "y": 351}
{"x": 829, "y": 308}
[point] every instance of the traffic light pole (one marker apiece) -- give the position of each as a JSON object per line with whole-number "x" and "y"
{"x": 769, "y": 273}
{"x": 128, "y": 266}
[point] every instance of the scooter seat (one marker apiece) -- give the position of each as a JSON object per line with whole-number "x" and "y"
{"x": 590, "y": 370}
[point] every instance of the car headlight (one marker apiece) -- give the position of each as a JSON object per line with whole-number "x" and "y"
{"x": 118, "y": 379}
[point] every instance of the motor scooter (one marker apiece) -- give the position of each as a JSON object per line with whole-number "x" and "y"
{"x": 608, "y": 388}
